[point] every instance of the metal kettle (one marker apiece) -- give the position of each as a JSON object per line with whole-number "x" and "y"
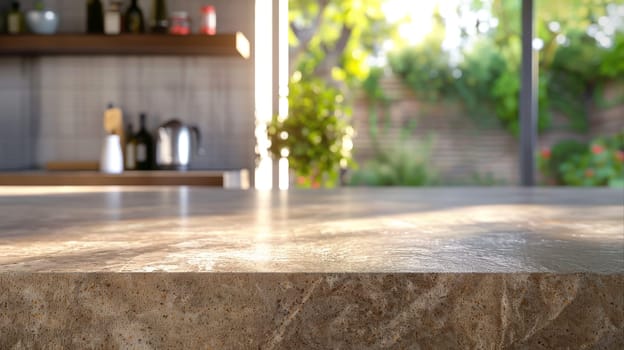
{"x": 174, "y": 145}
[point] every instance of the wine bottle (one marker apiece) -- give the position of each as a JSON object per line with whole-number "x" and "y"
{"x": 160, "y": 24}
{"x": 95, "y": 17}
{"x": 2, "y": 23}
{"x": 15, "y": 19}
{"x": 134, "y": 19}
{"x": 130, "y": 161}
{"x": 144, "y": 146}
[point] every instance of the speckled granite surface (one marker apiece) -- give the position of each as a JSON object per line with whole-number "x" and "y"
{"x": 177, "y": 268}
{"x": 311, "y": 311}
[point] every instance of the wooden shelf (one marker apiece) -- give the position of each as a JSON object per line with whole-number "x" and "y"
{"x": 231, "y": 44}
{"x": 228, "y": 179}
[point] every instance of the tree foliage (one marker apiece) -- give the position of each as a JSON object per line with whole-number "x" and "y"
{"x": 573, "y": 62}
{"x": 330, "y": 42}
{"x": 332, "y": 39}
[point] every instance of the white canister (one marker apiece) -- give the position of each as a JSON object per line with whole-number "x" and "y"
{"x": 111, "y": 160}
{"x": 112, "y": 19}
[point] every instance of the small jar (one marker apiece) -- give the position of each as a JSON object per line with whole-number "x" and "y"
{"x": 208, "y": 20}
{"x": 180, "y": 24}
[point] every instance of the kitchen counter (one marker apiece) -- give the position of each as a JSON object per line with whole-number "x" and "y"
{"x": 350, "y": 268}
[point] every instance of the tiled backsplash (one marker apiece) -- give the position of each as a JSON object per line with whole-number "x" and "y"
{"x": 16, "y": 142}
{"x": 51, "y": 107}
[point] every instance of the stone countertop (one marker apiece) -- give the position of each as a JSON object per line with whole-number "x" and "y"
{"x": 358, "y": 230}
{"x": 177, "y": 268}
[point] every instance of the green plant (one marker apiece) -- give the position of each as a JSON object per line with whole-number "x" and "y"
{"x": 601, "y": 163}
{"x": 401, "y": 161}
{"x": 612, "y": 65}
{"x": 425, "y": 68}
{"x": 573, "y": 74}
{"x": 372, "y": 86}
{"x": 550, "y": 160}
{"x": 316, "y": 136}
{"x": 481, "y": 67}
{"x": 505, "y": 98}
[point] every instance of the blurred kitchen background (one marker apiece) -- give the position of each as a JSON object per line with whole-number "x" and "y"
{"x": 52, "y": 106}
{"x": 345, "y": 92}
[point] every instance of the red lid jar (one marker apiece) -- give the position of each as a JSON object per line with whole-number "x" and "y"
{"x": 180, "y": 24}
{"x": 208, "y": 22}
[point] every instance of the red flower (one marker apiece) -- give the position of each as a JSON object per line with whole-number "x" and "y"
{"x": 597, "y": 149}
{"x": 545, "y": 153}
{"x": 619, "y": 155}
{"x": 589, "y": 172}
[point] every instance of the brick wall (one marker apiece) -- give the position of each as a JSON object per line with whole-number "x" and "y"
{"x": 462, "y": 149}
{"x": 609, "y": 119}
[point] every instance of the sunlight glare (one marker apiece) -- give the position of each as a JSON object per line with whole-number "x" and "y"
{"x": 263, "y": 91}
{"x": 419, "y": 20}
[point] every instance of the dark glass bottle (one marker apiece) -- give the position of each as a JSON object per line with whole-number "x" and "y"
{"x": 134, "y": 19}
{"x": 160, "y": 23}
{"x": 2, "y": 21}
{"x": 130, "y": 160}
{"x": 95, "y": 17}
{"x": 144, "y": 146}
{"x": 15, "y": 19}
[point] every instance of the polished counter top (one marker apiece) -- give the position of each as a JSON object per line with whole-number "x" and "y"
{"x": 355, "y": 268}
{"x": 183, "y": 229}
